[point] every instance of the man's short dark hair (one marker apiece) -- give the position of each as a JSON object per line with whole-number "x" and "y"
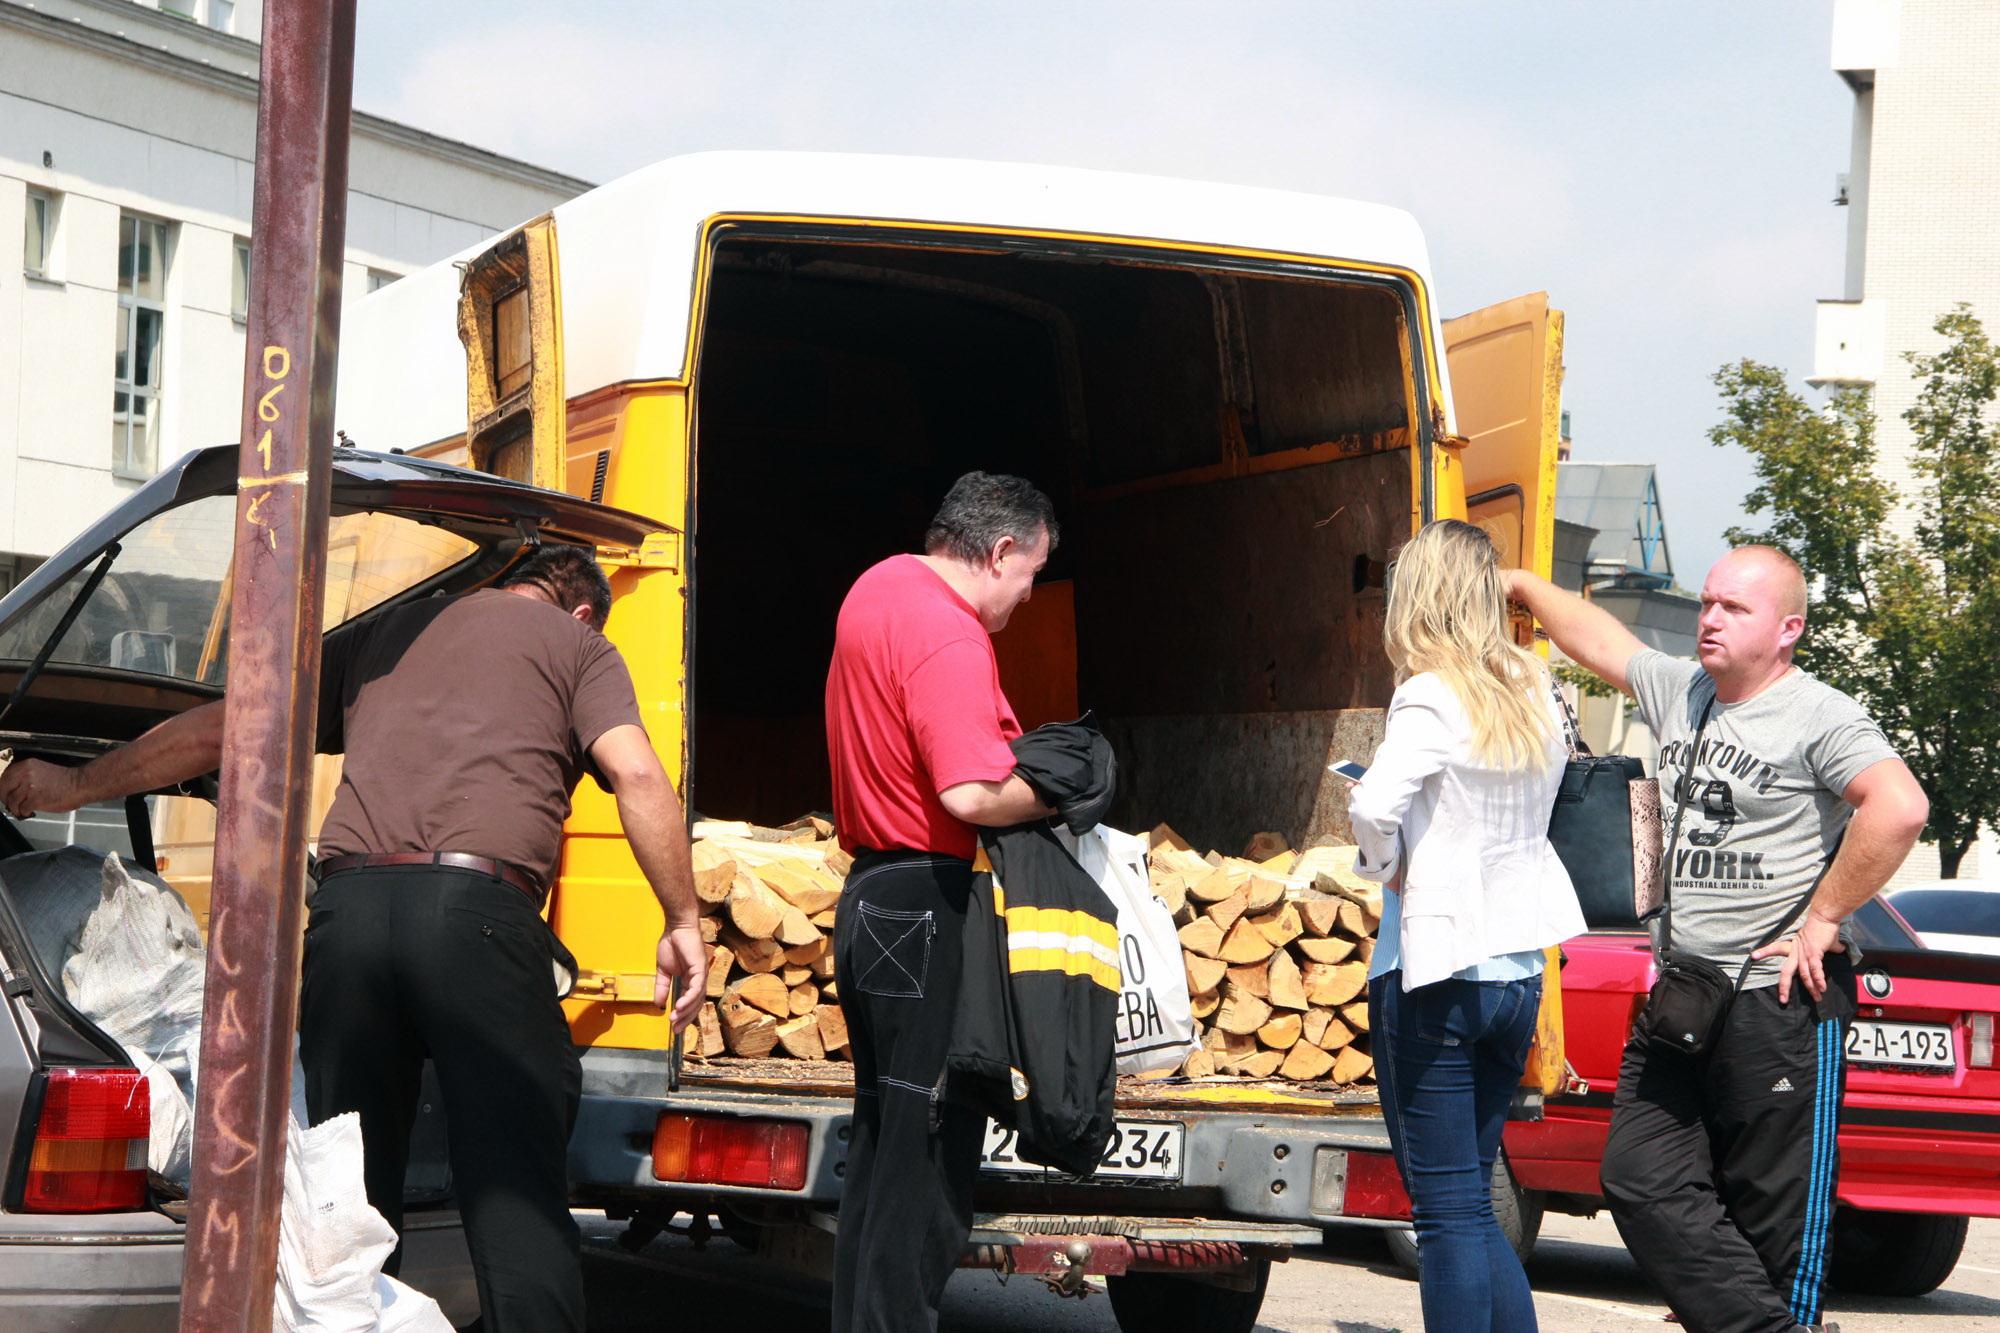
{"x": 570, "y": 576}
{"x": 980, "y": 509}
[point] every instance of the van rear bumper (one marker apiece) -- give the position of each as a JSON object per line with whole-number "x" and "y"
{"x": 1256, "y": 1164}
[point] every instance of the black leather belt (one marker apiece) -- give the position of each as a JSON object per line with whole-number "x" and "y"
{"x": 482, "y": 865}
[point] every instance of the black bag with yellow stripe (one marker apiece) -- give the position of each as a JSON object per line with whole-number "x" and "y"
{"x": 1034, "y": 1042}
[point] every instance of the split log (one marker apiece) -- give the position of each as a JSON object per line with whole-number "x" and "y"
{"x": 794, "y": 930}
{"x": 822, "y": 966}
{"x": 1316, "y": 1021}
{"x": 1253, "y": 977}
{"x": 1244, "y": 944}
{"x": 1201, "y": 936}
{"x": 1265, "y": 892}
{"x": 830, "y": 990}
{"x": 1241, "y": 1013}
{"x": 1212, "y": 887}
{"x": 754, "y": 910}
{"x": 1280, "y": 927}
{"x": 747, "y": 1030}
{"x": 1261, "y": 1064}
{"x": 803, "y": 954}
{"x": 720, "y": 959}
{"x": 708, "y": 1033}
{"x": 800, "y": 1038}
{"x": 838, "y": 862}
{"x": 805, "y": 998}
{"x": 1334, "y": 984}
{"x": 710, "y": 929}
{"x": 1204, "y": 1003}
{"x": 1305, "y": 1062}
{"x": 794, "y": 974}
{"x": 1320, "y": 915}
{"x": 1199, "y": 1064}
{"x": 1337, "y": 1035}
{"x": 1163, "y": 835}
{"x": 1288, "y": 987}
{"x": 1331, "y": 950}
{"x": 1230, "y": 910}
{"x": 1356, "y": 1015}
{"x": 1264, "y": 846}
{"x": 1365, "y": 949}
{"x": 1353, "y": 1065}
{"x": 765, "y": 991}
{"x": 1203, "y": 974}
{"x": 714, "y": 872}
{"x": 824, "y": 920}
{"x": 832, "y": 1027}
{"x": 754, "y": 955}
{"x": 1281, "y": 1031}
{"x": 803, "y": 890}
{"x": 1169, "y": 888}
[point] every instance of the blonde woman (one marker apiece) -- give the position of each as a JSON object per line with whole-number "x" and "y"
{"x": 1453, "y": 817}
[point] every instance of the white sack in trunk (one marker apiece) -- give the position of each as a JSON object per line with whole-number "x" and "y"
{"x": 137, "y": 973}
{"x": 331, "y": 1244}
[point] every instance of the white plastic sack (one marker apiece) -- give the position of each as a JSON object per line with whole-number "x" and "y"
{"x": 1156, "y": 1029}
{"x": 53, "y": 893}
{"x": 332, "y": 1244}
{"x": 137, "y": 973}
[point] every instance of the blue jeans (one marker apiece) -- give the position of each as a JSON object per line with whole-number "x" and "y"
{"x": 1447, "y": 1059}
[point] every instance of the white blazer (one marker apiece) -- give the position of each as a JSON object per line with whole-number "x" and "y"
{"x": 1480, "y": 879}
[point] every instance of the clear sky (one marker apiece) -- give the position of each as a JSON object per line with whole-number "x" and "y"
{"x": 1664, "y": 171}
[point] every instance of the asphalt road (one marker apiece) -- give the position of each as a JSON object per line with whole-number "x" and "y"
{"x": 1584, "y": 1281}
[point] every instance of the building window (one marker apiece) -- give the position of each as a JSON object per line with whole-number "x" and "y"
{"x": 217, "y": 14}
{"x": 142, "y": 293}
{"x": 222, "y": 15}
{"x": 39, "y": 243}
{"x": 239, "y": 283}
{"x": 377, "y": 279}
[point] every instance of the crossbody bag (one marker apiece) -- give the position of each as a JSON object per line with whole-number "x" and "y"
{"x": 1691, "y": 996}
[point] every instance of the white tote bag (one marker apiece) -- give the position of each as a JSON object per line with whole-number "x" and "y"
{"x": 1156, "y": 1029}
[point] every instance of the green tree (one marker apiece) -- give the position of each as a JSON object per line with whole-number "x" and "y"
{"x": 1910, "y": 626}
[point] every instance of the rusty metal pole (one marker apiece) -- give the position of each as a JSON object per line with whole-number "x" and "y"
{"x": 298, "y": 230}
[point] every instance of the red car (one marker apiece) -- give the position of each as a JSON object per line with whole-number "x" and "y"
{"x": 1920, "y": 1129}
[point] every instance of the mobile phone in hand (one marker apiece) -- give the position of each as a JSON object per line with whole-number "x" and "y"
{"x": 1348, "y": 769}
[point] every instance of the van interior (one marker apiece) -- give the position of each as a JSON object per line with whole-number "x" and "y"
{"x": 1227, "y": 447}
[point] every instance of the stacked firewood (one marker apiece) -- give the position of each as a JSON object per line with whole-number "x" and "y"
{"x": 767, "y": 902}
{"x": 1276, "y": 944}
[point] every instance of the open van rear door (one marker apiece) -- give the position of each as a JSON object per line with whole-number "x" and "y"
{"x": 1506, "y": 391}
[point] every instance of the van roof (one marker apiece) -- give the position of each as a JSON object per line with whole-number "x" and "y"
{"x": 628, "y": 252}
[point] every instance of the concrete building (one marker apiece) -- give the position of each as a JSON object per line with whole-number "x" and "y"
{"x": 1922, "y": 193}
{"x": 127, "y": 139}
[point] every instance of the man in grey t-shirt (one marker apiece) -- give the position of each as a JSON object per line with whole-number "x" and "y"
{"x": 1720, "y": 1168}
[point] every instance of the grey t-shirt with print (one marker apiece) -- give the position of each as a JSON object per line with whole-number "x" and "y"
{"x": 1764, "y": 807}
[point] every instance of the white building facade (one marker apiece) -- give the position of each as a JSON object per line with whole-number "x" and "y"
{"x": 127, "y": 141}
{"x": 1922, "y": 190}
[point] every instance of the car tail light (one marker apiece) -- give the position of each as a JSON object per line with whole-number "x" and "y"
{"x": 727, "y": 1150}
{"x": 1375, "y": 1187}
{"x": 1979, "y": 1046}
{"x": 89, "y": 1154}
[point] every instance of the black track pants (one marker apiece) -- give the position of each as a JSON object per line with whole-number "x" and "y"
{"x": 906, "y": 1206}
{"x": 1720, "y": 1170}
{"x": 407, "y": 962}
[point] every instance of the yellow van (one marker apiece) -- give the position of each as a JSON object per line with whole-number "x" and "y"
{"x": 1241, "y": 402}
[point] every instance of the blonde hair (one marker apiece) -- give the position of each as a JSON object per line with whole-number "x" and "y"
{"x": 1448, "y": 616}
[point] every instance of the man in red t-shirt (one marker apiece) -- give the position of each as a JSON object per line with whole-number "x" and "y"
{"x": 918, "y": 732}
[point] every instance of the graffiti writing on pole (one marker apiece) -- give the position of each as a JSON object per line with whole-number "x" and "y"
{"x": 277, "y": 363}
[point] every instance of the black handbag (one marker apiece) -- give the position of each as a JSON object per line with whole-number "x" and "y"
{"x": 1605, "y": 828}
{"x": 1691, "y": 996}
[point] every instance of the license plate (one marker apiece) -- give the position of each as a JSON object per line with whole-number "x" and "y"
{"x": 1901, "y": 1045}
{"x": 1139, "y": 1150}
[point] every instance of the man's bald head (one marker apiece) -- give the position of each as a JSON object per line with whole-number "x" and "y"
{"x": 1776, "y": 570}
{"x": 1753, "y": 610}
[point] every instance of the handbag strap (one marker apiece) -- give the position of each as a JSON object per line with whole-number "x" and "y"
{"x": 1680, "y": 810}
{"x": 1673, "y": 841}
{"x": 1572, "y": 732}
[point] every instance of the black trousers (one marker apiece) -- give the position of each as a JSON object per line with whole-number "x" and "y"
{"x": 403, "y": 963}
{"x": 906, "y": 1206}
{"x": 1720, "y": 1170}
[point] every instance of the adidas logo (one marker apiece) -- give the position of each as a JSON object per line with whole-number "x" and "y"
{"x": 1782, "y": 1085}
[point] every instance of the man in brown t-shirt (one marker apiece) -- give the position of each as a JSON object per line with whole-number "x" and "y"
{"x": 466, "y": 723}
